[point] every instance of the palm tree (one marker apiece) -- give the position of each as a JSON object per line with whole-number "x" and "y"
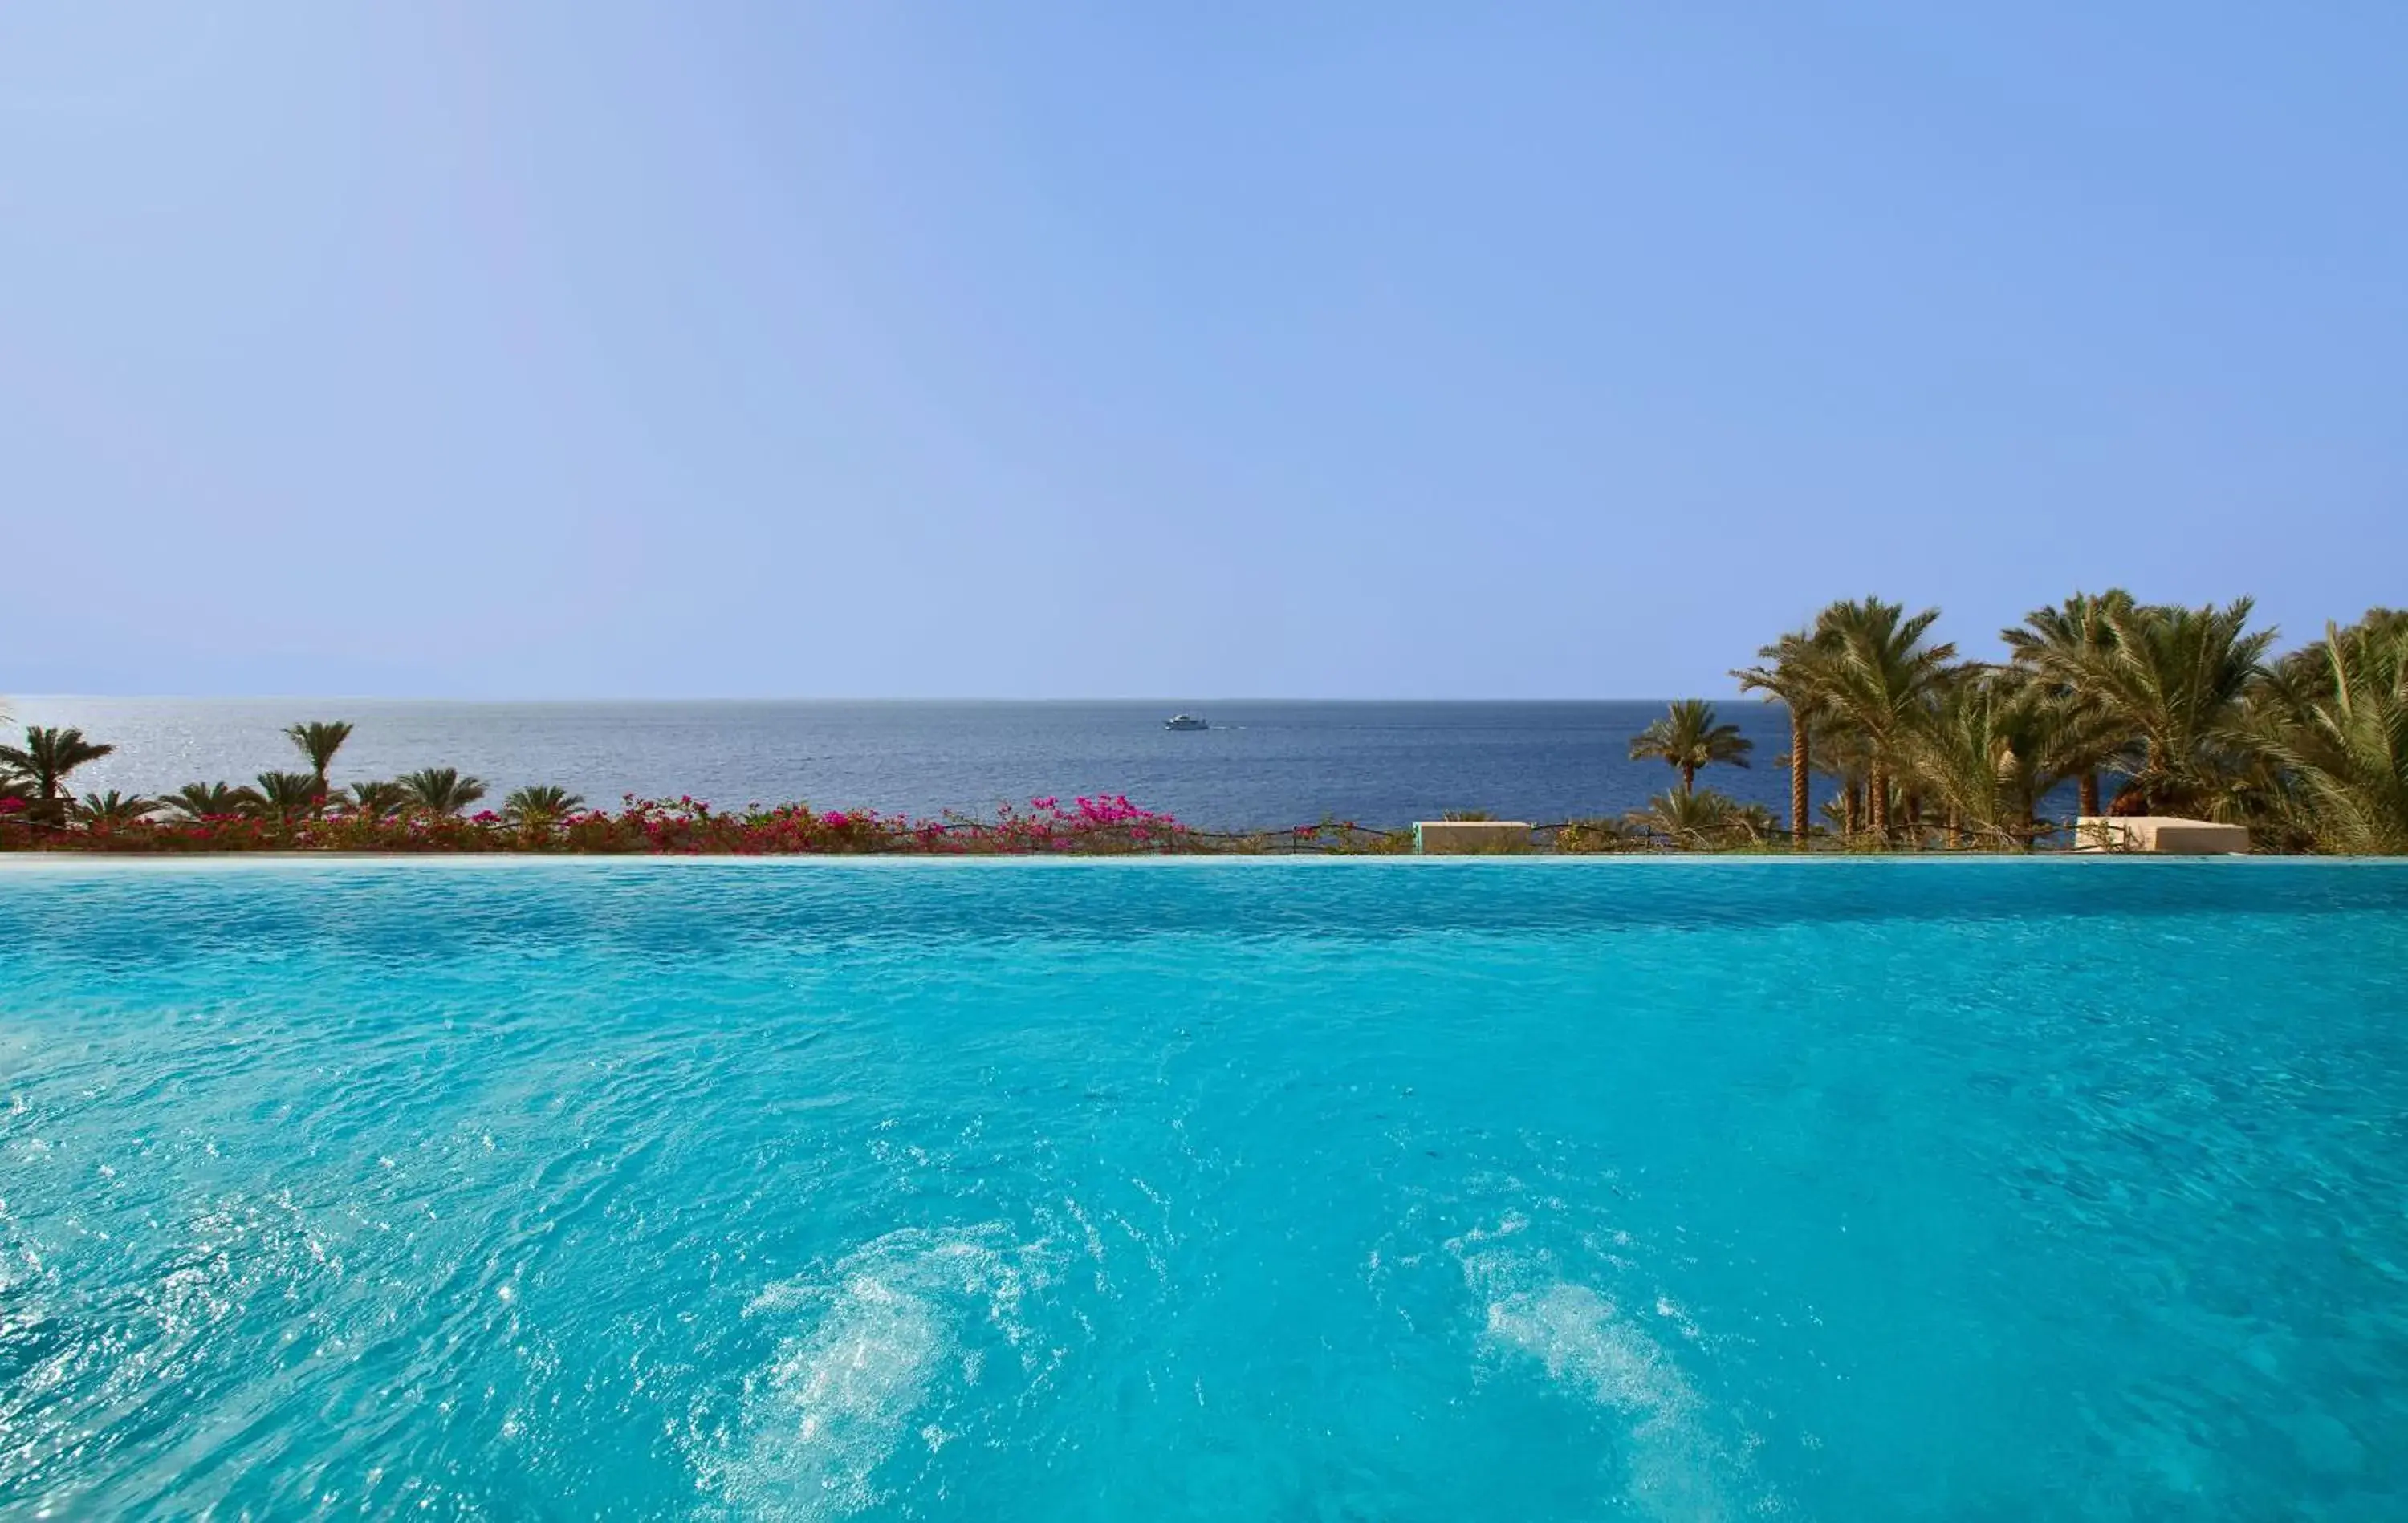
{"x": 2349, "y": 745}
{"x": 1688, "y": 737}
{"x": 110, "y": 810}
{"x": 2177, "y": 678}
{"x": 286, "y": 796}
{"x": 1992, "y": 747}
{"x": 319, "y": 740}
{"x": 210, "y": 800}
{"x": 46, "y": 757}
{"x": 377, "y": 799}
{"x": 539, "y": 804}
{"x": 441, "y": 789}
{"x": 1879, "y": 678}
{"x": 1789, "y": 674}
{"x": 2059, "y": 644}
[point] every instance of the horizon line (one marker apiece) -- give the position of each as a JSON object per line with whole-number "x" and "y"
{"x": 523, "y": 701}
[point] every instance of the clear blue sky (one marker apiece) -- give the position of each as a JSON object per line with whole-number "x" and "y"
{"x": 545, "y": 348}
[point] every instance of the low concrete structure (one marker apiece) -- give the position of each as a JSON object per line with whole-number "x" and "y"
{"x": 1471, "y": 837}
{"x": 2163, "y": 833}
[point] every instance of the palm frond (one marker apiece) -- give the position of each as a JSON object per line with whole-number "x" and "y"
{"x": 539, "y": 803}
{"x": 376, "y": 800}
{"x": 113, "y": 810}
{"x": 287, "y": 795}
{"x": 441, "y": 790}
{"x": 1700, "y": 819}
{"x": 2347, "y": 746}
{"x": 210, "y": 800}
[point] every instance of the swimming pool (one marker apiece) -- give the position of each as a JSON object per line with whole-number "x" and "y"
{"x": 1318, "y": 1190}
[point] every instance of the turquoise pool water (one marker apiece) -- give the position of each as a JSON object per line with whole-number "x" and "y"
{"x": 1313, "y": 1190}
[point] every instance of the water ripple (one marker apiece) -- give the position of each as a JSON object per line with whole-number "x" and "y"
{"x": 1286, "y": 1191}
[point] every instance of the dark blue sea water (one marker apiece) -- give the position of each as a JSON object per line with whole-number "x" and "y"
{"x": 1343, "y": 1190}
{"x": 1260, "y": 765}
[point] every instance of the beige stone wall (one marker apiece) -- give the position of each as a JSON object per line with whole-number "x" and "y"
{"x": 2163, "y": 833}
{"x": 1450, "y": 838}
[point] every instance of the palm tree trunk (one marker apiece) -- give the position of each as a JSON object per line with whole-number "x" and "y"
{"x": 1800, "y": 795}
{"x": 1688, "y": 778}
{"x": 1852, "y": 809}
{"x": 1956, "y": 829}
{"x": 2086, "y": 794}
{"x": 1879, "y": 788}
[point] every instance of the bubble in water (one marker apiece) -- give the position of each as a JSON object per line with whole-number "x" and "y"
{"x": 887, "y": 1335}
{"x": 1677, "y": 1467}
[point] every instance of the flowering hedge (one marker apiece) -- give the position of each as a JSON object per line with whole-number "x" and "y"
{"x": 1104, "y": 825}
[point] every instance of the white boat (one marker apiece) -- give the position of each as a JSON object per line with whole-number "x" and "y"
{"x": 1185, "y": 722}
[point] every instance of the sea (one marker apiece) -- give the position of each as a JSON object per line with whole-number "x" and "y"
{"x": 1261, "y": 766}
